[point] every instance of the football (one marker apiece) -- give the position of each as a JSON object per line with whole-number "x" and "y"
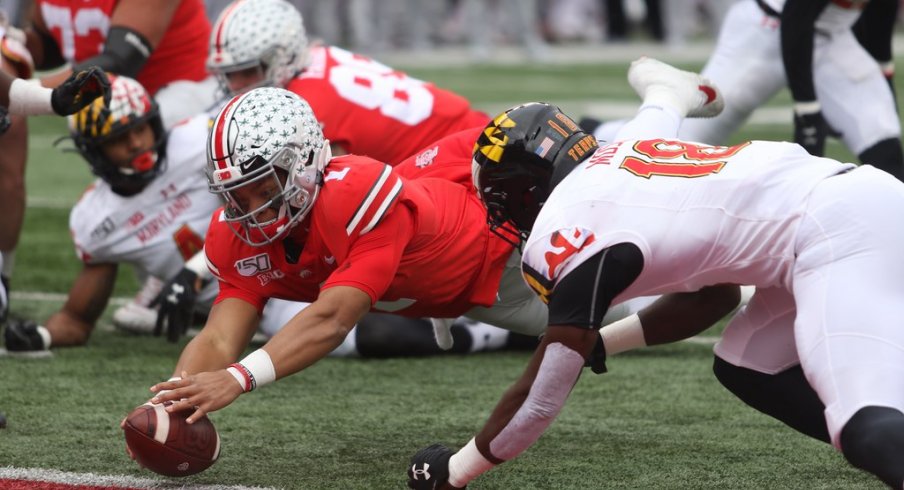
{"x": 165, "y": 443}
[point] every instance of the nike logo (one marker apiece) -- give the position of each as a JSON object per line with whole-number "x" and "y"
{"x": 709, "y": 92}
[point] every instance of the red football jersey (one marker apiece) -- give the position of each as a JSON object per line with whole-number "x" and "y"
{"x": 80, "y": 28}
{"x": 371, "y": 109}
{"x": 449, "y": 159}
{"x": 419, "y": 247}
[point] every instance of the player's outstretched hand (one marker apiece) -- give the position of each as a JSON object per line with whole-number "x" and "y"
{"x": 429, "y": 468}
{"x": 201, "y": 393}
{"x": 811, "y": 131}
{"x": 79, "y": 90}
{"x": 177, "y": 304}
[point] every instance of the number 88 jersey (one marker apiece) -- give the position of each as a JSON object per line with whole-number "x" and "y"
{"x": 700, "y": 215}
{"x": 370, "y": 109}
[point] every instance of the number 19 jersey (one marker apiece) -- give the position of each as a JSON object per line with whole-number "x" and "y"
{"x": 701, "y": 215}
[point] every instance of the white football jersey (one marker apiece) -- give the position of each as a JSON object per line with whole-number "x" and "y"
{"x": 158, "y": 229}
{"x": 701, "y": 215}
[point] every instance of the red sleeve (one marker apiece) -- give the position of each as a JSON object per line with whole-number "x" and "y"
{"x": 374, "y": 258}
{"x": 227, "y": 290}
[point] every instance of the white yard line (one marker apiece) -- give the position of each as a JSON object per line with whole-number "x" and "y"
{"x": 124, "y": 481}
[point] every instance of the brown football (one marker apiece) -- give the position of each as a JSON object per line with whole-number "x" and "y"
{"x": 165, "y": 443}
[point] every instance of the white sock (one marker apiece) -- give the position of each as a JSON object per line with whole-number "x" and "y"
{"x": 651, "y": 121}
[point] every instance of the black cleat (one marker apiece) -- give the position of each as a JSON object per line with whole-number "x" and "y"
{"x": 21, "y": 336}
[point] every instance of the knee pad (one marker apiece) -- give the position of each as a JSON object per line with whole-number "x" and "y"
{"x": 885, "y": 155}
{"x": 873, "y": 440}
{"x": 785, "y": 396}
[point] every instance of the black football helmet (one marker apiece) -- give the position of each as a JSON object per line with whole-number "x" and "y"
{"x": 520, "y": 157}
{"x": 100, "y": 121}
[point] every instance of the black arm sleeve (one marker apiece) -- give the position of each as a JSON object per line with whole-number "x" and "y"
{"x": 125, "y": 53}
{"x": 582, "y": 297}
{"x": 875, "y": 27}
{"x": 797, "y": 32}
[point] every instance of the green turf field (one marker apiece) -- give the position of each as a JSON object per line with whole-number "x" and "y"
{"x": 658, "y": 419}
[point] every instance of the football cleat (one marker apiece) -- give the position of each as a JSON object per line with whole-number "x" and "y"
{"x": 429, "y": 468}
{"x": 25, "y": 336}
{"x": 135, "y": 318}
{"x": 691, "y": 94}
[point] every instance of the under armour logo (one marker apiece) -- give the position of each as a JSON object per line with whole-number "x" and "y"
{"x": 415, "y": 472}
{"x": 177, "y": 290}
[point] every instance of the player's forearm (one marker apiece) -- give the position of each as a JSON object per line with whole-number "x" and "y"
{"x": 306, "y": 339}
{"x": 527, "y": 409}
{"x": 679, "y": 316}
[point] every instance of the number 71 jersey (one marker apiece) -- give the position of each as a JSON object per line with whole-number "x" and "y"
{"x": 372, "y": 110}
{"x": 701, "y": 215}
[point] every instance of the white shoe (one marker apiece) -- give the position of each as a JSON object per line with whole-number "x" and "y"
{"x": 689, "y": 93}
{"x": 134, "y": 318}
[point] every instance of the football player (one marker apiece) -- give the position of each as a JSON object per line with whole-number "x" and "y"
{"x": 839, "y": 88}
{"x": 364, "y": 107}
{"x": 689, "y": 221}
{"x": 353, "y": 233}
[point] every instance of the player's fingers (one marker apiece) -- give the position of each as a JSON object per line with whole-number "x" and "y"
{"x": 199, "y": 413}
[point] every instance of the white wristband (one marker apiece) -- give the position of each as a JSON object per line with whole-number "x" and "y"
{"x": 258, "y": 367}
{"x": 198, "y": 265}
{"x": 467, "y": 464}
{"x": 805, "y": 108}
{"x": 29, "y": 98}
{"x": 623, "y": 335}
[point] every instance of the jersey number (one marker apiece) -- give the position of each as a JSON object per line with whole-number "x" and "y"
{"x": 79, "y": 25}
{"x": 704, "y": 159}
{"x": 373, "y": 85}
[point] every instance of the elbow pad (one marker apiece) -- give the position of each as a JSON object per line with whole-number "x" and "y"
{"x": 125, "y": 53}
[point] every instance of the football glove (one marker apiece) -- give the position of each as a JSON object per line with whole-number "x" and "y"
{"x": 177, "y": 305}
{"x": 79, "y": 90}
{"x": 811, "y": 131}
{"x": 429, "y": 468}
